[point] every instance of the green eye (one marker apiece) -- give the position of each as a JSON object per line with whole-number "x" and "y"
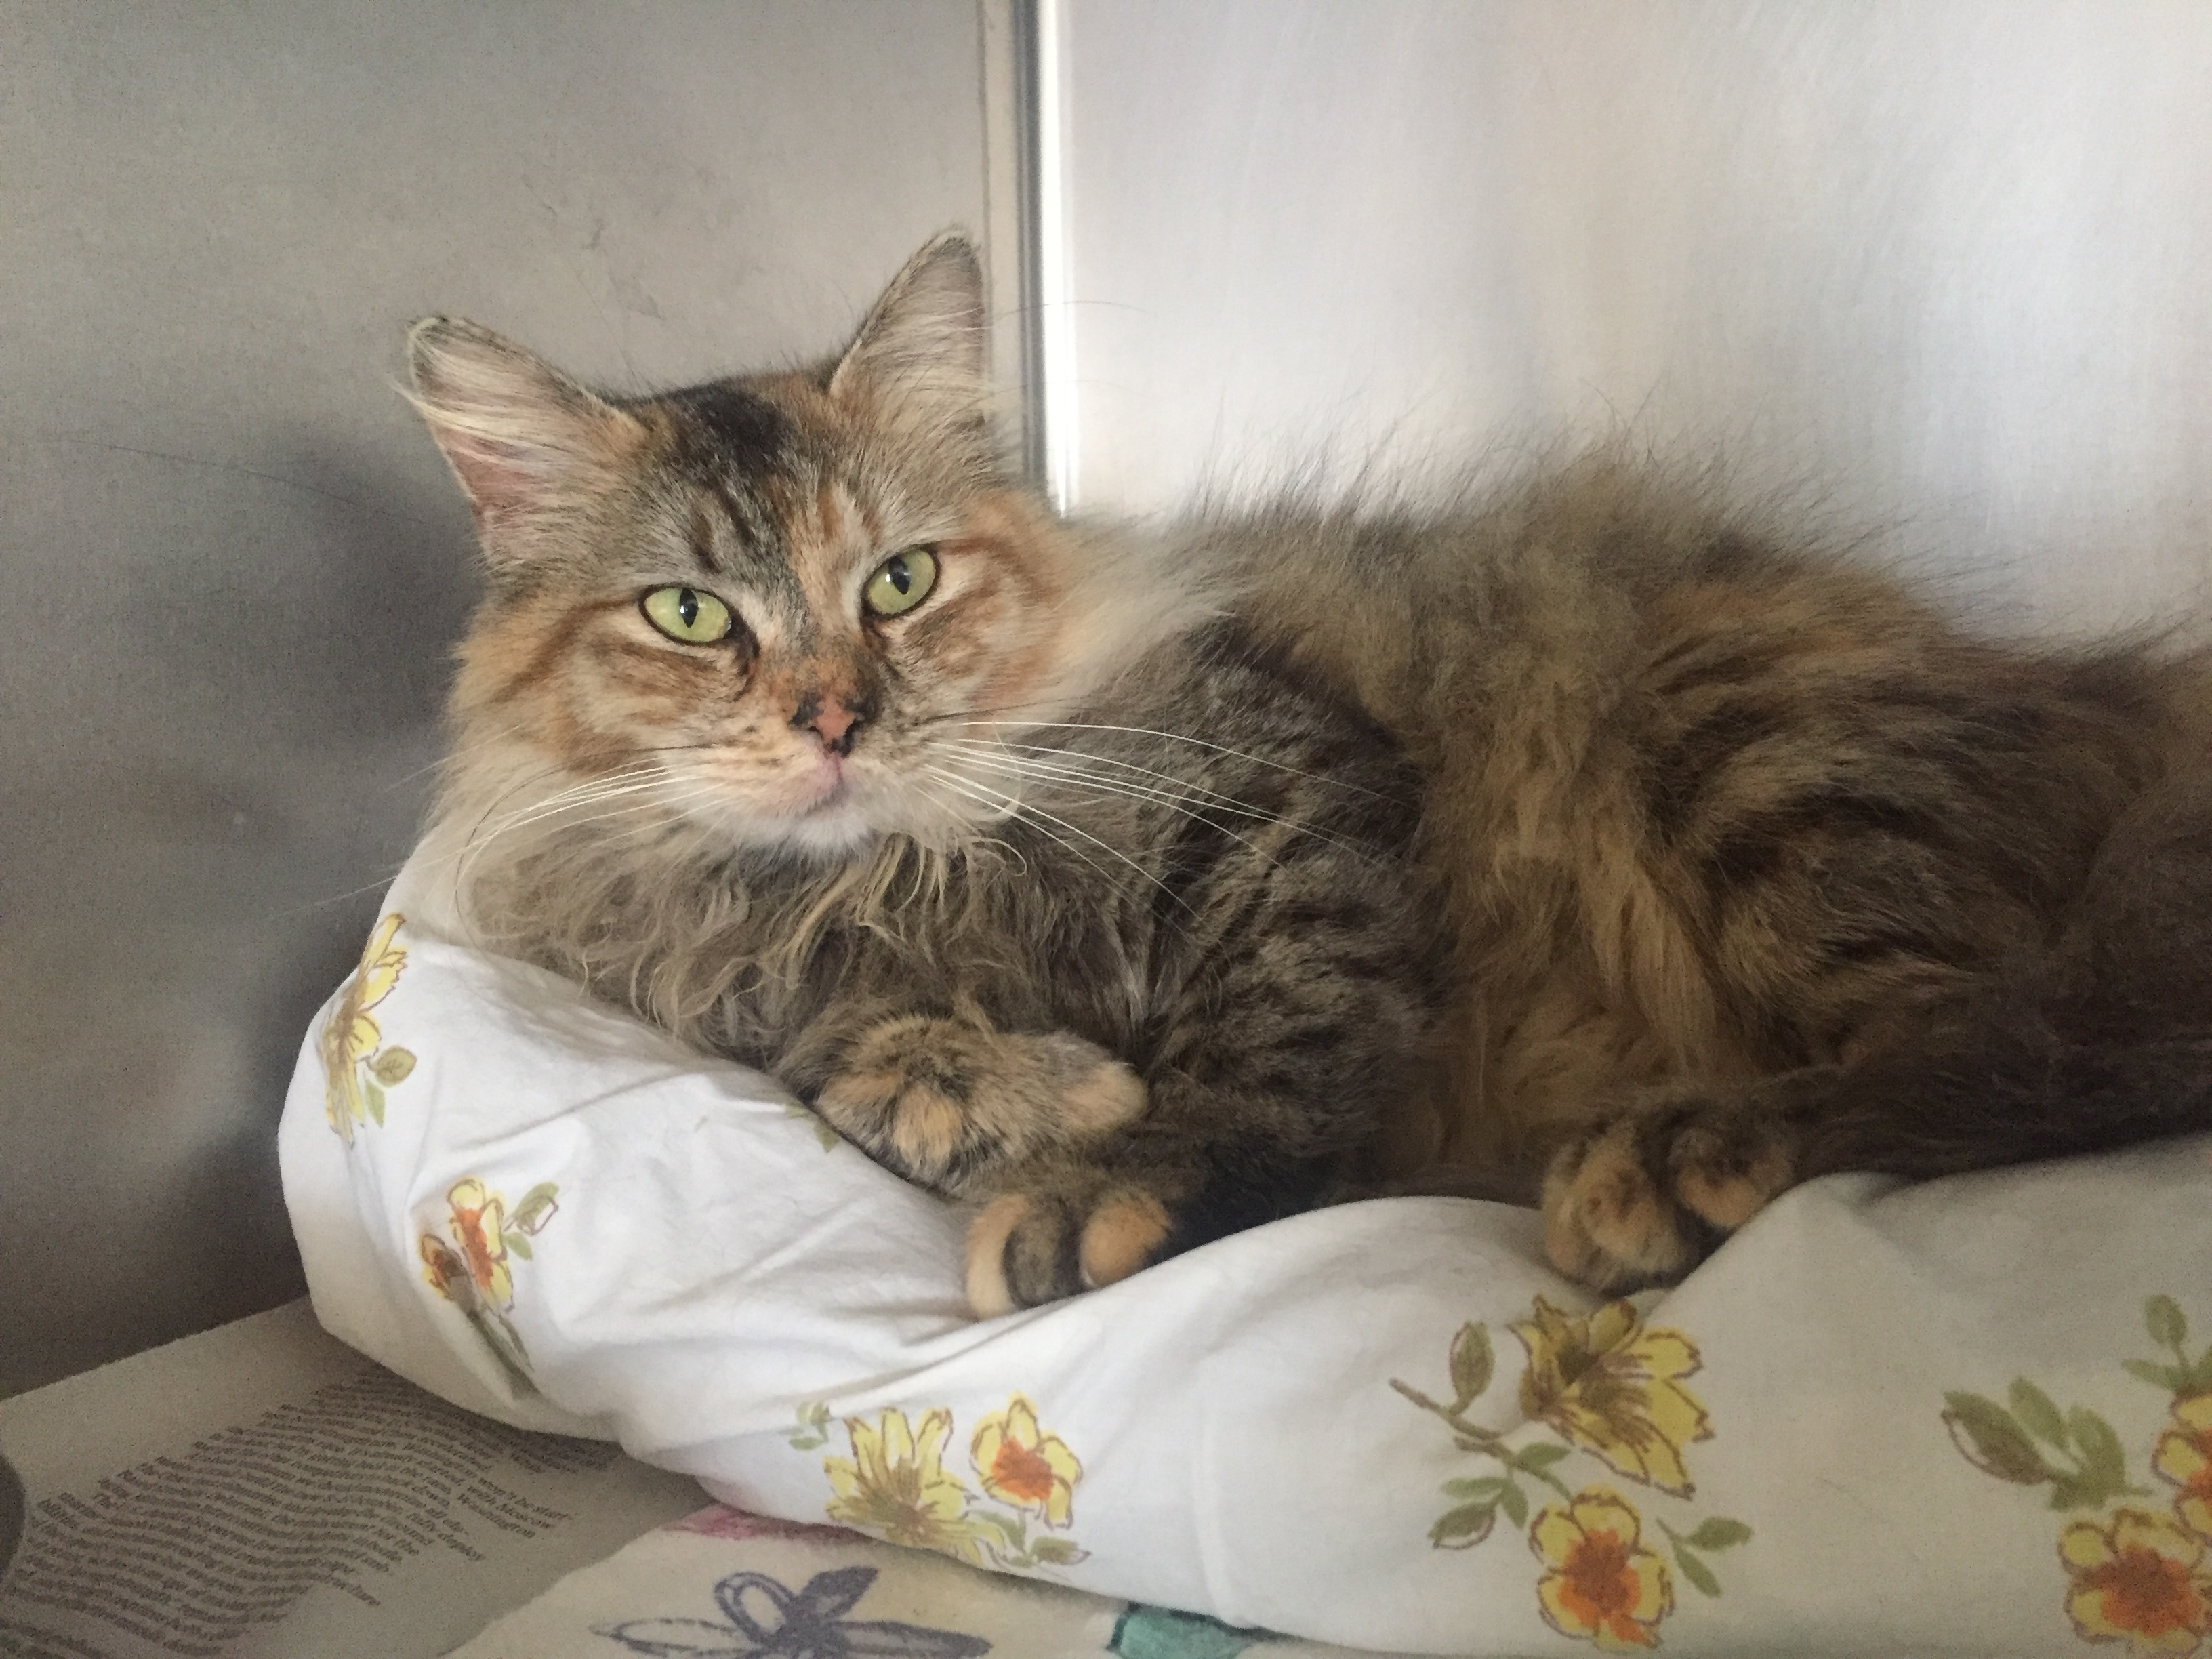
{"x": 901, "y": 582}
{"x": 686, "y": 614}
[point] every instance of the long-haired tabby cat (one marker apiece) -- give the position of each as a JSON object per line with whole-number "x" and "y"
{"x": 1096, "y": 874}
{"x": 791, "y": 723}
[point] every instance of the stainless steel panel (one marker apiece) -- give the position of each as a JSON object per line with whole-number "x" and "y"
{"x": 1945, "y": 262}
{"x": 230, "y": 563}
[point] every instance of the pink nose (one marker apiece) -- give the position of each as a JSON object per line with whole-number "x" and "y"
{"x": 832, "y": 719}
{"x": 835, "y": 725}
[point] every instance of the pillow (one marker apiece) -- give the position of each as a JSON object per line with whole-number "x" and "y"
{"x": 1974, "y": 1415}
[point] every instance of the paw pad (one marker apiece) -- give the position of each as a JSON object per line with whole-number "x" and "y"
{"x": 1121, "y": 1237}
{"x": 1643, "y": 1200}
{"x": 1077, "y": 1229}
{"x": 988, "y": 1292}
{"x": 1606, "y": 1221}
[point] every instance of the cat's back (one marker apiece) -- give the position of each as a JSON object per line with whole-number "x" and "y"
{"x": 1556, "y": 582}
{"x": 1704, "y": 793}
{"x": 1606, "y": 603}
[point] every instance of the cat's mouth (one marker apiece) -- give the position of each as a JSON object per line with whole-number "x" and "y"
{"x": 829, "y": 789}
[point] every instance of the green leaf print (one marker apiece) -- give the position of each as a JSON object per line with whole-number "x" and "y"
{"x": 1471, "y": 1364}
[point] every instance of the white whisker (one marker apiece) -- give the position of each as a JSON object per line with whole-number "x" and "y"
{"x": 1069, "y": 768}
{"x": 1039, "y": 812}
{"x": 1007, "y": 807}
{"x": 448, "y": 756}
{"x": 1176, "y": 737}
{"x": 576, "y": 798}
{"x": 1112, "y": 786}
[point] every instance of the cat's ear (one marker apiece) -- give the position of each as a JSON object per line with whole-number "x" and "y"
{"x": 918, "y": 358}
{"x": 522, "y": 438}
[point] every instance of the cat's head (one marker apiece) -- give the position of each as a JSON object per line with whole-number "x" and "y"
{"x": 783, "y": 607}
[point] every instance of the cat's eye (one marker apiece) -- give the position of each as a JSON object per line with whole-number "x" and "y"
{"x": 687, "y": 614}
{"x": 901, "y": 582}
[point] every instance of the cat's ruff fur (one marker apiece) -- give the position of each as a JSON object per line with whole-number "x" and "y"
{"x": 1755, "y": 866}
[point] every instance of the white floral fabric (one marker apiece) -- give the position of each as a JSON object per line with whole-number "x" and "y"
{"x": 1973, "y": 1416}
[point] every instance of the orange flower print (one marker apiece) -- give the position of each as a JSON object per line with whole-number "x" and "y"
{"x": 1602, "y": 1586}
{"x": 1020, "y": 1464}
{"x": 473, "y": 1269}
{"x": 2184, "y": 1457}
{"x": 479, "y": 1227}
{"x": 445, "y": 1272}
{"x": 895, "y": 1485}
{"x": 470, "y": 1268}
{"x": 2142, "y": 1580}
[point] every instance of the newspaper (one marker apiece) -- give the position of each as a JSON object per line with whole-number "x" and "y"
{"x": 262, "y": 1491}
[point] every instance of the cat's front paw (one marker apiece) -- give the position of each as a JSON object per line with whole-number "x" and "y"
{"x": 942, "y": 1102}
{"x": 1060, "y": 1234}
{"x": 1643, "y": 1197}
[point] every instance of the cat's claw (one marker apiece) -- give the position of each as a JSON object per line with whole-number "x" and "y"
{"x": 1645, "y": 1198}
{"x": 1078, "y": 1233}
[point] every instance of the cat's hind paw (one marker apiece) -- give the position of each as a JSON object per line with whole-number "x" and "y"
{"x": 1644, "y": 1198}
{"x": 1078, "y": 1231}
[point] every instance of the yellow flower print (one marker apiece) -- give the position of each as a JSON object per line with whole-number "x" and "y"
{"x": 895, "y": 1485}
{"x": 350, "y": 1040}
{"x": 471, "y": 1270}
{"x": 1602, "y": 1586}
{"x": 2142, "y": 1579}
{"x": 1018, "y": 1463}
{"x": 483, "y": 1233}
{"x": 1614, "y": 1389}
{"x": 2184, "y": 1457}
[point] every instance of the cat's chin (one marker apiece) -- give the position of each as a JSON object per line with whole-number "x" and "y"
{"x": 847, "y": 826}
{"x": 828, "y": 836}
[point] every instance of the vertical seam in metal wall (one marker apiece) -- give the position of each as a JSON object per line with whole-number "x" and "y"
{"x": 1055, "y": 311}
{"x": 1007, "y": 32}
{"x": 1032, "y": 329}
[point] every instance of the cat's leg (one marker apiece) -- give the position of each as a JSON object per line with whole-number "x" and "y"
{"x": 1642, "y": 1194}
{"x": 1203, "y": 1164}
{"x": 943, "y": 1101}
{"x": 1089, "y": 1173}
{"x": 2103, "y": 1041}
{"x": 1275, "y": 1056}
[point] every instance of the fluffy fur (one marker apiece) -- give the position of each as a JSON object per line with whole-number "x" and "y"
{"x": 1054, "y": 890}
{"x": 1758, "y": 866}
{"x": 1105, "y": 885}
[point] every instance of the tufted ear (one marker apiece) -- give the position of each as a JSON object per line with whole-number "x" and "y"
{"x": 521, "y": 437}
{"x": 918, "y": 358}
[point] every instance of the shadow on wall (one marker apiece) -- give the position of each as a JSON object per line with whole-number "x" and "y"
{"x": 231, "y": 561}
{"x": 236, "y": 739}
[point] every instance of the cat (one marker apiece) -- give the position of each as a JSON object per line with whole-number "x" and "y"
{"x": 789, "y": 721}
{"x": 1758, "y": 866}
{"x": 1614, "y": 851}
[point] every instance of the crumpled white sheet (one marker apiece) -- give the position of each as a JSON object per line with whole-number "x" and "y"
{"x": 1972, "y": 1417}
